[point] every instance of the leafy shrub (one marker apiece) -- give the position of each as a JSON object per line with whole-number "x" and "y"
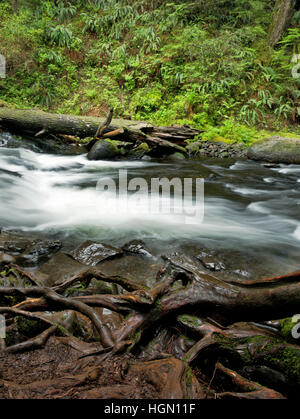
{"x": 59, "y": 35}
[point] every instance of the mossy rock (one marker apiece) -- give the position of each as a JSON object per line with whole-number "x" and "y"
{"x": 276, "y": 150}
{"x": 194, "y": 147}
{"x": 103, "y": 150}
{"x": 139, "y": 151}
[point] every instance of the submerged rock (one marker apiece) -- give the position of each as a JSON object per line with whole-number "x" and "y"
{"x": 103, "y": 150}
{"x": 10, "y": 246}
{"x": 91, "y": 253}
{"x": 276, "y": 150}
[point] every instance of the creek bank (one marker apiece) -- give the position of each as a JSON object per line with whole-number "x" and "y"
{"x": 119, "y": 139}
{"x": 126, "y": 139}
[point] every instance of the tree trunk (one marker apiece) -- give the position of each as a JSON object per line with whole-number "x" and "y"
{"x": 32, "y": 122}
{"x": 38, "y": 122}
{"x": 282, "y": 14}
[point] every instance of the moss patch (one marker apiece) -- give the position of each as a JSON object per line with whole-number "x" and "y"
{"x": 30, "y": 327}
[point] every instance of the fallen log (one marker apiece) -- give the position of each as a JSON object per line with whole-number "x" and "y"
{"x": 39, "y": 123}
{"x": 34, "y": 121}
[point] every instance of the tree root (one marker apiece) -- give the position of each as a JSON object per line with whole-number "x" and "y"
{"x": 248, "y": 389}
{"x": 179, "y": 290}
{"x": 31, "y": 344}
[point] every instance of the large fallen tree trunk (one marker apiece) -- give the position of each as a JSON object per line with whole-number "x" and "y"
{"x": 33, "y": 122}
{"x": 40, "y": 123}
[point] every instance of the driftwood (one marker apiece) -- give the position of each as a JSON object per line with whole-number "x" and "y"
{"x": 38, "y": 124}
{"x": 219, "y": 329}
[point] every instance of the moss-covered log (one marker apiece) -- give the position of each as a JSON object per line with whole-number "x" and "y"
{"x": 38, "y": 123}
{"x": 34, "y": 121}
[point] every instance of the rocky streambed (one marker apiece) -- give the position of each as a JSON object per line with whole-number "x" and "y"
{"x": 153, "y": 293}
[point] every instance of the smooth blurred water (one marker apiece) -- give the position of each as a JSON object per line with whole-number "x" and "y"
{"x": 248, "y": 207}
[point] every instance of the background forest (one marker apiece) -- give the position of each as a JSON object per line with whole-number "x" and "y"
{"x": 208, "y": 63}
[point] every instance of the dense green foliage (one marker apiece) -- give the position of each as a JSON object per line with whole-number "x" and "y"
{"x": 204, "y": 62}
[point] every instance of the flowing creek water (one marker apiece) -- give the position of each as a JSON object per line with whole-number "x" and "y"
{"x": 251, "y": 219}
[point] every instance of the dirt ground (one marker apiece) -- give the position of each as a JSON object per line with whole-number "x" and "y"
{"x": 55, "y": 372}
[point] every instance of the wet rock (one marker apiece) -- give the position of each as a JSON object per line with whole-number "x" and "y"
{"x": 6, "y": 259}
{"x": 137, "y": 247}
{"x": 57, "y": 147}
{"x": 209, "y": 262}
{"x": 9, "y": 141}
{"x": 14, "y": 247}
{"x": 276, "y": 150}
{"x": 91, "y": 253}
{"x": 271, "y": 165}
{"x": 58, "y": 269}
{"x": 139, "y": 151}
{"x": 146, "y": 158}
{"x": 38, "y": 253}
{"x": 216, "y": 149}
{"x": 176, "y": 157}
{"x": 242, "y": 273}
{"x": 133, "y": 266}
{"x": 103, "y": 150}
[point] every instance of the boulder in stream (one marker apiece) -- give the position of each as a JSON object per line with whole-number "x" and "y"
{"x": 276, "y": 150}
{"x": 103, "y": 150}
